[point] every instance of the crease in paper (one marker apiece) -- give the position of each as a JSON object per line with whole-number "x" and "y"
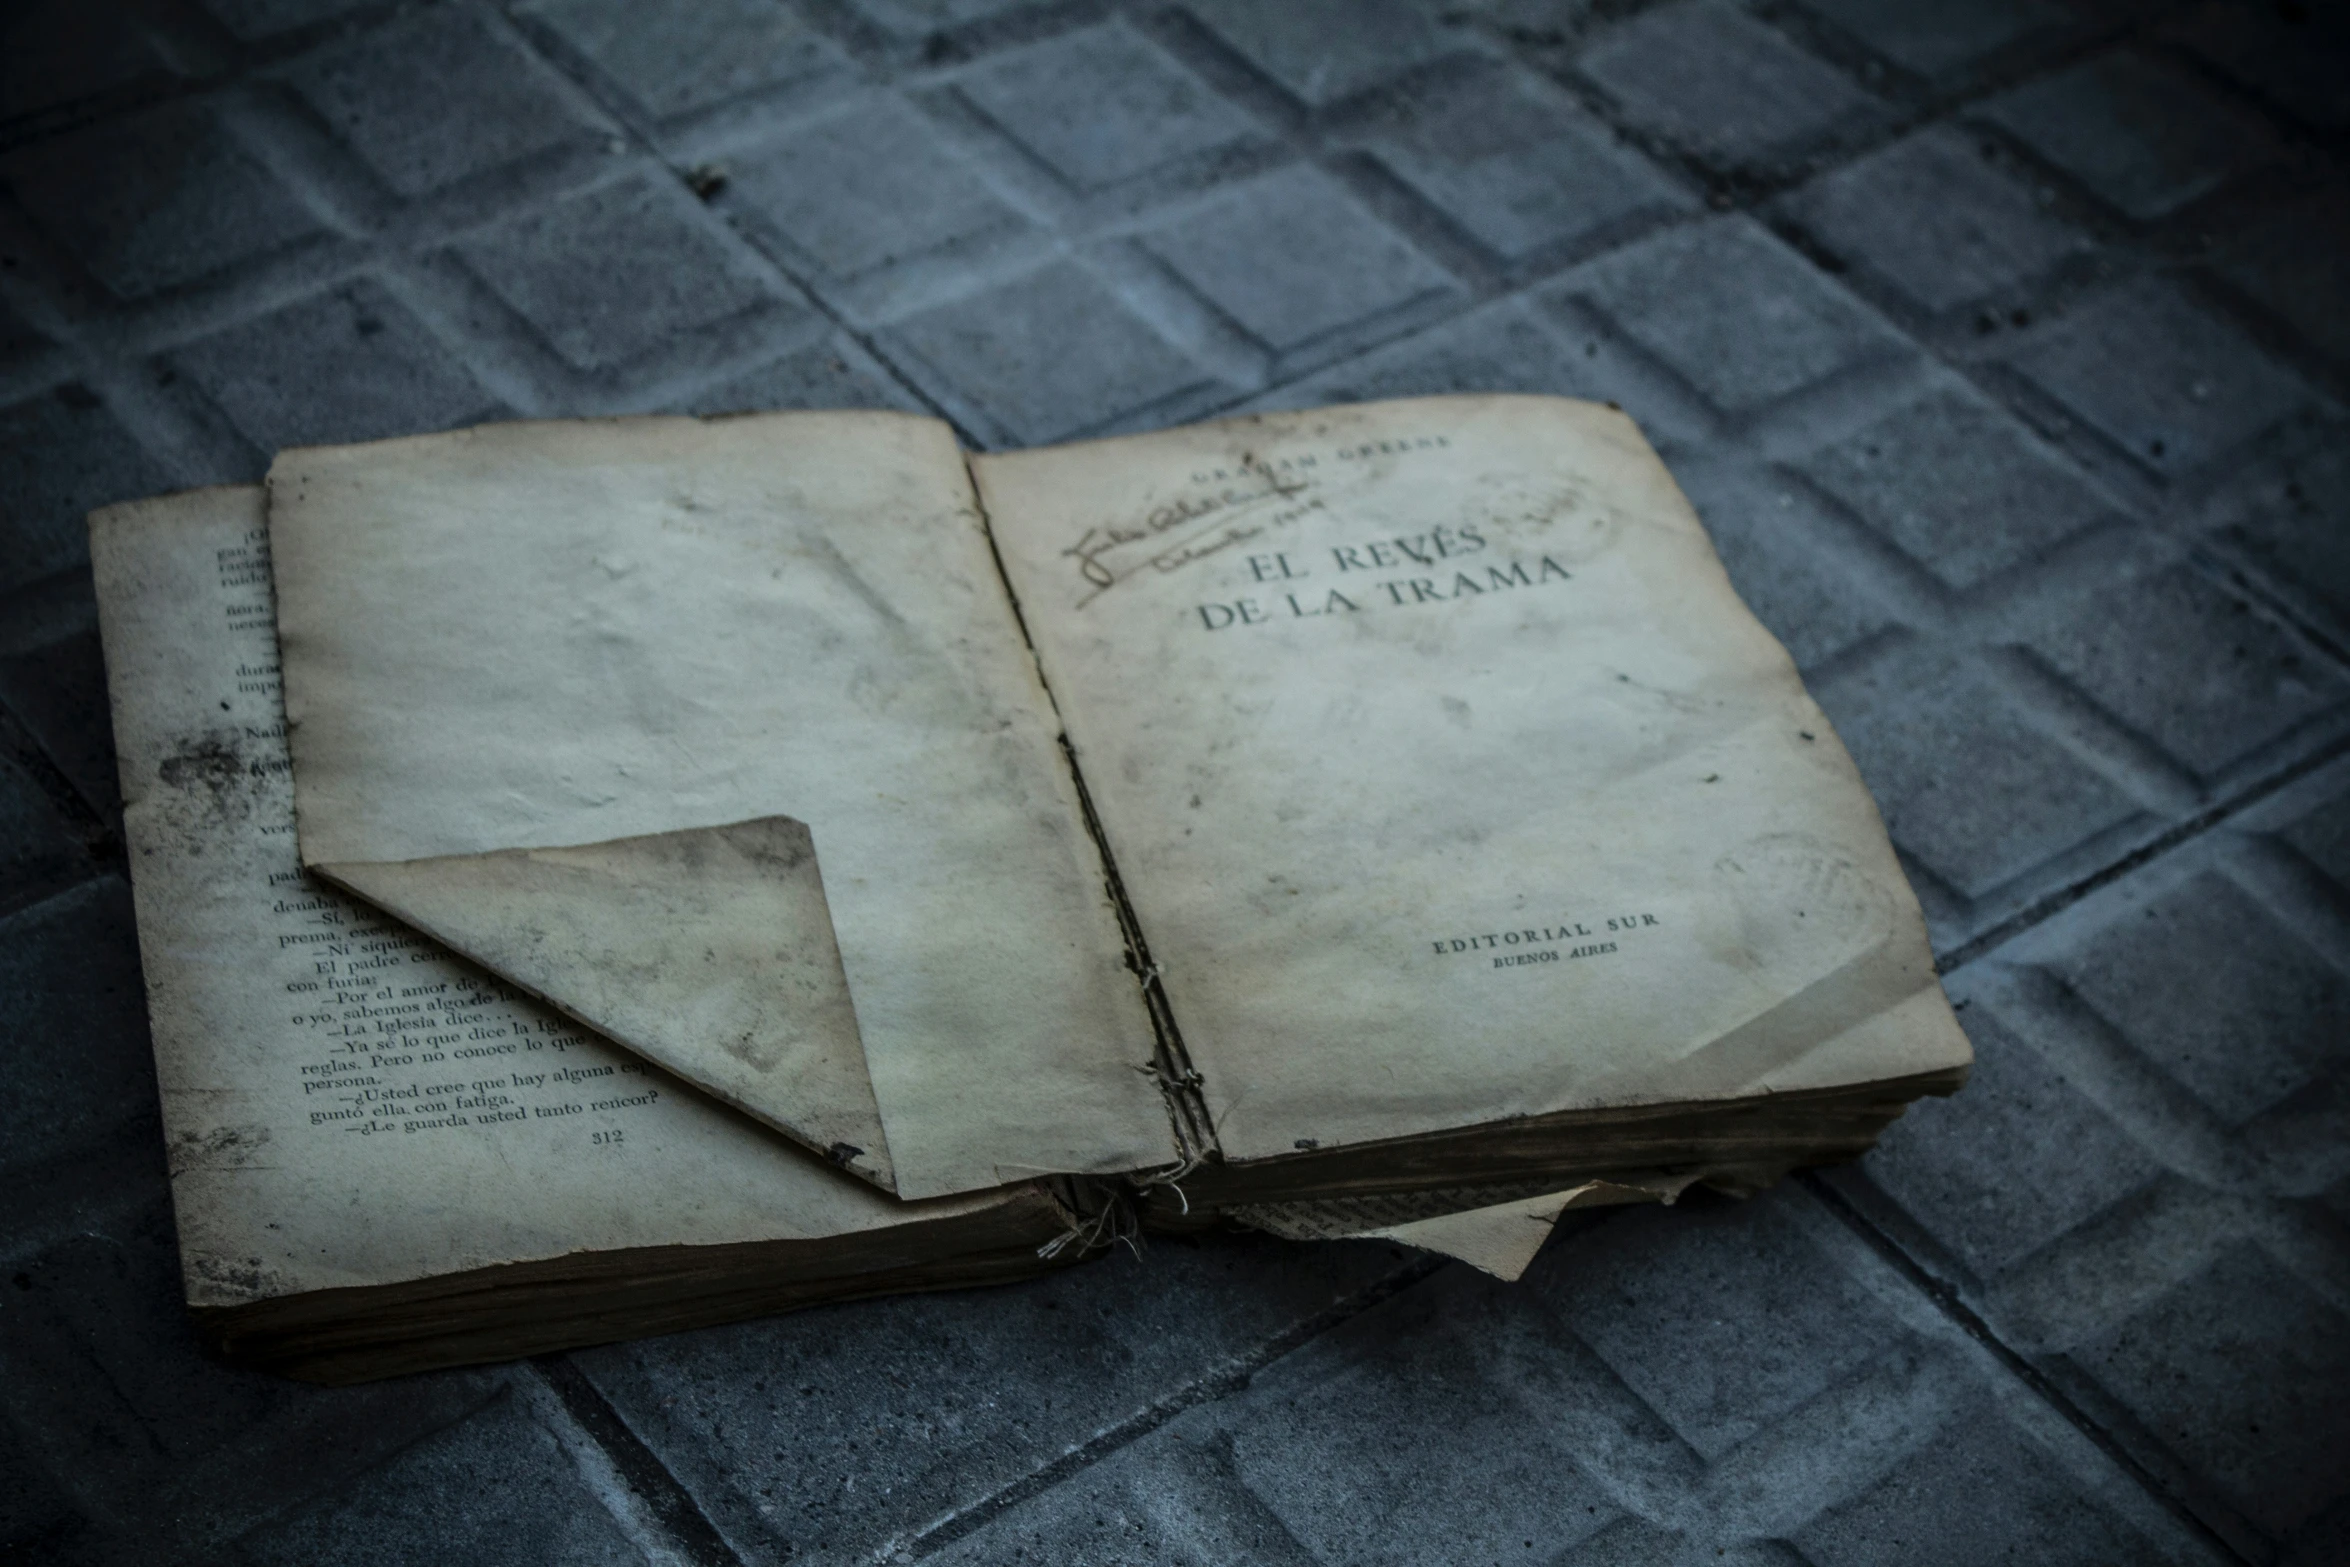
{"x": 530, "y": 637}
{"x": 708, "y": 951}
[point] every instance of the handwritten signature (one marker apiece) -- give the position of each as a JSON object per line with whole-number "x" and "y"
{"x": 1226, "y": 529}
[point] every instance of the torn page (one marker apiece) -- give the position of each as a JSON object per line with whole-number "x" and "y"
{"x": 1499, "y": 1234}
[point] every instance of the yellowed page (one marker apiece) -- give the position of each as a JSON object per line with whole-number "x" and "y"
{"x": 710, "y": 949}
{"x": 540, "y": 636}
{"x": 1501, "y": 1240}
{"x": 1449, "y": 777}
{"x": 345, "y": 1103}
{"x": 1499, "y": 1237}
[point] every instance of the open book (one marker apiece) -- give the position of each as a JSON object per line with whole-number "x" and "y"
{"x": 1328, "y": 820}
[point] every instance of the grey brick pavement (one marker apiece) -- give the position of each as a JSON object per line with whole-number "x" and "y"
{"x": 2003, "y": 343}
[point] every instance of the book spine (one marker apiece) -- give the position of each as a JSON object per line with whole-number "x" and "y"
{"x": 1179, "y": 1081}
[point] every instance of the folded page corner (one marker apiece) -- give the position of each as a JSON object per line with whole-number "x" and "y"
{"x": 709, "y": 951}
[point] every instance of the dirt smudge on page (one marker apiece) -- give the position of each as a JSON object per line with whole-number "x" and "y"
{"x": 1561, "y": 513}
{"x": 219, "y": 1148}
{"x": 210, "y": 763}
{"x": 249, "y": 1279}
{"x": 219, "y": 777}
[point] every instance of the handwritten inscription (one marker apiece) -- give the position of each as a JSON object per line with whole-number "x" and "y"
{"x": 1253, "y": 498}
{"x": 1189, "y": 528}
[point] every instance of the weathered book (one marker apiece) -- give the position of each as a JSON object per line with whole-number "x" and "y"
{"x": 316, "y": 1058}
{"x": 1295, "y": 809}
{"x": 723, "y": 865}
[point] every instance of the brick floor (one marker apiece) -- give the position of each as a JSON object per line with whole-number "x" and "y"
{"x": 2004, "y": 345}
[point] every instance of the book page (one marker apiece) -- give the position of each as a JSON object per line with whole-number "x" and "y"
{"x": 343, "y": 1102}
{"x": 1449, "y": 778}
{"x": 709, "y": 950}
{"x": 1496, "y": 1231}
{"x": 531, "y": 637}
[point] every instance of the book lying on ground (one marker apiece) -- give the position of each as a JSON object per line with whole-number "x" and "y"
{"x": 331, "y": 1227}
{"x": 1380, "y": 797}
{"x": 1341, "y": 821}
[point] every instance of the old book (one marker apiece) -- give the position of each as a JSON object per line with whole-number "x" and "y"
{"x": 1384, "y": 800}
{"x": 383, "y": 1159}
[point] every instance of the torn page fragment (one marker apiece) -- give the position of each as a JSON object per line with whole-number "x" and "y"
{"x": 1497, "y": 1237}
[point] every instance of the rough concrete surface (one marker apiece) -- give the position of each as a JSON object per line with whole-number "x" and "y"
{"x": 2004, "y": 345}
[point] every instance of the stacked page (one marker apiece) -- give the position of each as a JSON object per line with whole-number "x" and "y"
{"x": 1385, "y": 819}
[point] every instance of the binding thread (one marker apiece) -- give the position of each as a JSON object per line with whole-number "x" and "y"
{"x": 1172, "y": 1176}
{"x": 1112, "y": 1223}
